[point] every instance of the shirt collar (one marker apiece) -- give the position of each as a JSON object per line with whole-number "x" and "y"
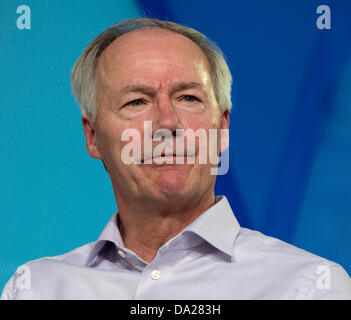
{"x": 217, "y": 226}
{"x": 109, "y": 234}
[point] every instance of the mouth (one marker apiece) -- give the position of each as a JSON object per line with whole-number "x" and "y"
{"x": 167, "y": 158}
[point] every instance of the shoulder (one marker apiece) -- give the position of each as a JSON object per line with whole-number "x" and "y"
{"x": 274, "y": 248}
{"x": 314, "y": 277}
{"x": 43, "y": 271}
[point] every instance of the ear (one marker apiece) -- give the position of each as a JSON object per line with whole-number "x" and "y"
{"x": 90, "y": 137}
{"x": 225, "y": 120}
{"x": 224, "y": 130}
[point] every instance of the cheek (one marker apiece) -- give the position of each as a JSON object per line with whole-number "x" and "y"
{"x": 204, "y": 122}
{"x": 108, "y": 140}
{"x": 203, "y": 138}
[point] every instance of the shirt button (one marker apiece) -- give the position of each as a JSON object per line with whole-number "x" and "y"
{"x": 121, "y": 253}
{"x": 155, "y": 274}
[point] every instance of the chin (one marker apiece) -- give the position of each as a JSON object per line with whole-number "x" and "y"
{"x": 171, "y": 186}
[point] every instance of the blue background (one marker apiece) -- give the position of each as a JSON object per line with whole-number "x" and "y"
{"x": 290, "y": 149}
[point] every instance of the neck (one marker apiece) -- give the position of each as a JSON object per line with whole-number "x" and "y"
{"x": 145, "y": 227}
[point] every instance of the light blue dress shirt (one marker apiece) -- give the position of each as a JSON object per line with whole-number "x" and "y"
{"x": 212, "y": 258}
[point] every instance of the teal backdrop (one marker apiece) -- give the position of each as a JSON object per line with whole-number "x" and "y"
{"x": 290, "y": 149}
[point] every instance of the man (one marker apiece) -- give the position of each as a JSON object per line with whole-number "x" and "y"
{"x": 171, "y": 237}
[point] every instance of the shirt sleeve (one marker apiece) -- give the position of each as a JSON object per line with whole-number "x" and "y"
{"x": 332, "y": 283}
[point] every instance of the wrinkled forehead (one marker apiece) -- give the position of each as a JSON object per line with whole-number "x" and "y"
{"x": 140, "y": 47}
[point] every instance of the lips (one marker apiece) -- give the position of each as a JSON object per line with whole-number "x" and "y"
{"x": 149, "y": 159}
{"x": 163, "y": 155}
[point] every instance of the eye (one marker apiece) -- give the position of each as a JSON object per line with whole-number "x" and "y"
{"x": 136, "y": 103}
{"x": 191, "y": 103}
{"x": 189, "y": 98}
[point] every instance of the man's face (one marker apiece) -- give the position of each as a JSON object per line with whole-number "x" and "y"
{"x": 162, "y": 77}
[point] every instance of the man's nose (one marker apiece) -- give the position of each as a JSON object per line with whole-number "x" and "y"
{"x": 166, "y": 116}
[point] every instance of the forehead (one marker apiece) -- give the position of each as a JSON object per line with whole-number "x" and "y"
{"x": 152, "y": 52}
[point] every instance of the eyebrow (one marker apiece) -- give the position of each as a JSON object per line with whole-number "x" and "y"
{"x": 178, "y": 86}
{"x": 138, "y": 88}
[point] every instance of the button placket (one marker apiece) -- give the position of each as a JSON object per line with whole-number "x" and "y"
{"x": 156, "y": 275}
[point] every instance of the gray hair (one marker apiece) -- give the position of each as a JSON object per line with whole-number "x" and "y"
{"x": 83, "y": 75}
